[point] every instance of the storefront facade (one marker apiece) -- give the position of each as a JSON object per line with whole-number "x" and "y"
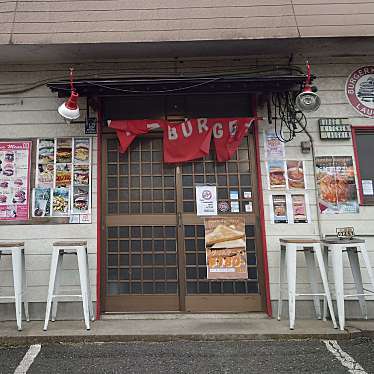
{"x": 137, "y": 213}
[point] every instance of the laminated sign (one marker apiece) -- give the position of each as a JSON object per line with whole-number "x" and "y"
{"x": 225, "y": 247}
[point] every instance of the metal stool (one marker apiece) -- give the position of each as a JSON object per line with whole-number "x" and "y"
{"x": 352, "y": 247}
{"x": 17, "y": 251}
{"x": 59, "y": 250}
{"x": 289, "y": 247}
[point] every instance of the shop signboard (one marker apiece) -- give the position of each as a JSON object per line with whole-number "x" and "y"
{"x": 14, "y": 180}
{"x": 225, "y": 246}
{"x": 359, "y": 90}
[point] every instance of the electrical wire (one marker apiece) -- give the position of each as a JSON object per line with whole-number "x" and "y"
{"x": 213, "y": 76}
{"x": 288, "y": 120}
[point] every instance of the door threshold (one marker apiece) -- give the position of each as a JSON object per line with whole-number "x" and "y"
{"x": 181, "y": 316}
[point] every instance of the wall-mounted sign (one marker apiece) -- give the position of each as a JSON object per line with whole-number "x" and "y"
{"x": 345, "y": 232}
{"x": 334, "y": 128}
{"x": 206, "y": 200}
{"x": 90, "y": 126}
{"x": 359, "y": 89}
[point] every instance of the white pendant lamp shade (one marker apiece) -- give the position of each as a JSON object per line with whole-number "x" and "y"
{"x": 70, "y": 110}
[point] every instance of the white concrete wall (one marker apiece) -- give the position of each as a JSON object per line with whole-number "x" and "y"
{"x": 332, "y": 74}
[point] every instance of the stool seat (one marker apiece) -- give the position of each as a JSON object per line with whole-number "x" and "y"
{"x": 69, "y": 244}
{"x": 60, "y": 249}
{"x": 352, "y": 247}
{"x": 343, "y": 241}
{"x": 298, "y": 241}
{"x": 312, "y": 251}
{"x": 11, "y": 244}
{"x": 17, "y": 251}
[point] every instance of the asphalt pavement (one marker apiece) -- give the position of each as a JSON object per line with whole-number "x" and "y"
{"x": 290, "y": 356}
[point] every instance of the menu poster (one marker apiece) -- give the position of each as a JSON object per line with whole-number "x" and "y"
{"x": 63, "y": 175}
{"x": 225, "y": 246}
{"x": 274, "y": 148}
{"x": 60, "y": 204}
{"x": 299, "y": 209}
{"x": 81, "y": 175}
{"x": 64, "y": 150}
{"x": 276, "y": 174}
{"x": 41, "y": 206}
{"x": 64, "y": 169}
{"x": 81, "y": 149}
{"x": 14, "y": 180}
{"x": 295, "y": 174}
{"x": 336, "y": 185}
{"x": 81, "y": 200}
{"x": 279, "y": 209}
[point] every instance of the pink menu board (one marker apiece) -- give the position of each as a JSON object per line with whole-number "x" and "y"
{"x": 14, "y": 180}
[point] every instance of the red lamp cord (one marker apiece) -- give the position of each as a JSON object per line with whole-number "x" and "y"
{"x": 71, "y": 80}
{"x": 307, "y": 83}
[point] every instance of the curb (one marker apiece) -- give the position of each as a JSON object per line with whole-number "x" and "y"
{"x": 27, "y": 340}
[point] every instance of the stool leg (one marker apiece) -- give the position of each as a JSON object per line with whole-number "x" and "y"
{"x": 82, "y": 265}
{"x": 291, "y": 280}
{"x": 357, "y": 277}
{"x": 17, "y": 279}
{"x": 322, "y": 269}
{"x": 51, "y": 287}
{"x": 282, "y": 272}
{"x": 337, "y": 264}
{"x": 24, "y": 288}
{"x": 369, "y": 269}
{"x": 325, "y": 255}
{"x": 311, "y": 266}
{"x": 56, "y": 287}
{"x": 90, "y": 304}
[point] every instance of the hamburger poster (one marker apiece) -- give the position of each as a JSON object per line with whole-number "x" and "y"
{"x": 225, "y": 246}
{"x": 336, "y": 185}
{"x": 276, "y": 174}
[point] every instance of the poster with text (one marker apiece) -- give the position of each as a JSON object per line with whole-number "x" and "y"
{"x": 276, "y": 174}
{"x": 336, "y": 185}
{"x": 14, "y": 180}
{"x": 41, "y": 202}
{"x": 279, "y": 209}
{"x": 274, "y": 148}
{"x": 299, "y": 209}
{"x": 295, "y": 174}
{"x": 206, "y": 200}
{"x": 225, "y": 246}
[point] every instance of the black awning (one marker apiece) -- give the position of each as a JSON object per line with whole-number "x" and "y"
{"x": 180, "y": 85}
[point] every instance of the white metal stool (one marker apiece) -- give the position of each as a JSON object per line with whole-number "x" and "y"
{"x": 289, "y": 248}
{"x": 336, "y": 247}
{"x": 17, "y": 251}
{"x": 58, "y": 251}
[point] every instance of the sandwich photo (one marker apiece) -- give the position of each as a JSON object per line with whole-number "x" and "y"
{"x": 81, "y": 150}
{"x": 64, "y": 150}
{"x": 222, "y": 233}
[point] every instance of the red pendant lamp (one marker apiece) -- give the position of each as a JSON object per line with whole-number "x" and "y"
{"x": 69, "y": 109}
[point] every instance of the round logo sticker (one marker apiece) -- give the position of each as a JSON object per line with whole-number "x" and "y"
{"x": 223, "y": 206}
{"x": 360, "y": 90}
{"x": 206, "y": 195}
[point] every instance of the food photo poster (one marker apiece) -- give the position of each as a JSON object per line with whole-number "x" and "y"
{"x": 225, "y": 246}
{"x": 336, "y": 183}
{"x": 289, "y": 208}
{"x": 63, "y": 172}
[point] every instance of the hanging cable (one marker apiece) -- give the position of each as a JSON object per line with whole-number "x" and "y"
{"x": 288, "y": 120}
